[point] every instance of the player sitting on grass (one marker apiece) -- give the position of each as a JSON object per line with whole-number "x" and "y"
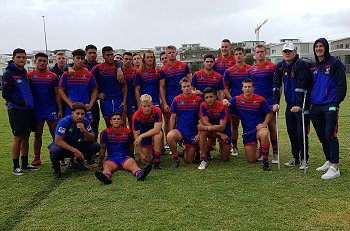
{"x": 118, "y": 141}
{"x": 255, "y": 114}
{"x": 147, "y": 124}
{"x": 214, "y": 123}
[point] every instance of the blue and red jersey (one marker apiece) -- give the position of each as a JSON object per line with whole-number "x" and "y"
{"x": 143, "y": 122}
{"x": 43, "y": 86}
{"x": 187, "y": 110}
{"x": 214, "y": 114}
{"x": 233, "y": 78}
{"x": 130, "y": 76}
{"x": 221, "y": 64}
{"x": 68, "y": 129}
{"x": 172, "y": 75}
{"x": 202, "y": 80}
{"x": 251, "y": 111}
{"x": 148, "y": 80}
{"x": 107, "y": 82}
{"x": 262, "y": 75}
{"x": 117, "y": 141}
{"x": 78, "y": 86}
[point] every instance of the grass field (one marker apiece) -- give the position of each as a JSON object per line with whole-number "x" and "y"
{"x": 226, "y": 196}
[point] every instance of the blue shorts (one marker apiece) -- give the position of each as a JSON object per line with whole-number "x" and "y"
{"x": 47, "y": 113}
{"x": 131, "y": 109}
{"x": 249, "y": 138}
{"x": 108, "y": 106}
{"x": 188, "y": 135}
{"x": 118, "y": 161}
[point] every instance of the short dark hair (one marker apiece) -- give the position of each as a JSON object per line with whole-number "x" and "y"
{"x": 226, "y": 41}
{"x": 248, "y": 80}
{"x": 79, "y": 52}
{"x": 90, "y": 46}
{"x": 106, "y": 48}
{"x": 18, "y": 51}
{"x": 208, "y": 56}
{"x": 239, "y": 49}
{"x": 208, "y": 90}
{"x": 127, "y": 53}
{"x": 116, "y": 114}
{"x": 78, "y": 105}
{"x": 41, "y": 54}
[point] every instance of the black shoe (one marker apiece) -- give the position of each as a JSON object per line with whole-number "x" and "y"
{"x": 57, "y": 174}
{"x": 266, "y": 166}
{"x": 197, "y": 158}
{"x": 102, "y": 177}
{"x": 144, "y": 172}
{"x": 30, "y": 167}
{"x": 182, "y": 154}
{"x": 72, "y": 165}
{"x": 91, "y": 161}
{"x": 81, "y": 167}
{"x": 163, "y": 151}
{"x": 175, "y": 163}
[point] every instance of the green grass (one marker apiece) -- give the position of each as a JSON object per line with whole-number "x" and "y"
{"x": 226, "y": 196}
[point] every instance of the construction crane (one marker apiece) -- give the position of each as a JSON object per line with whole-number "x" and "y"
{"x": 257, "y": 29}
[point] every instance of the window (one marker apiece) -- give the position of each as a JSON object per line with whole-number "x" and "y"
{"x": 347, "y": 46}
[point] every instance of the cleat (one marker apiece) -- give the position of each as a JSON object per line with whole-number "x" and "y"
{"x": 275, "y": 159}
{"x": 30, "y": 167}
{"x": 145, "y": 171}
{"x": 36, "y": 162}
{"x": 203, "y": 165}
{"x": 82, "y": 167}
{"x": 266, "y": 166}
{"x": 175, "y": 163}
{"x": 103, "y": 178}
{"x": 234, "y": 151}
{"x": 166, "y": 146}
{"x": 17, "y": 172}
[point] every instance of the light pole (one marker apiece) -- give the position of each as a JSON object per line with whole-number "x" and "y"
{"x": 45, "y": 33}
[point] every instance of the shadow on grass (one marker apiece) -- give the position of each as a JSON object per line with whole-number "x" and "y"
{"x": 36, "y": 199}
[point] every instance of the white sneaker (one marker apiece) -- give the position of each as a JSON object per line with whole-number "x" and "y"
{"x": 17, "y": 172}
{"x": 170, "y": 153}
{"x": 234, "y": 151}
{"x": 303, "y": 165}
{"x": 260, "y": 159}
{"x": 331, "y": 173}
{"x": 166, "y": 146}
{"x": 275, "y": 159}
{"x": 291, "y": 163}
{"x": 324, "y": 167}
{"x": 203, "y": 165}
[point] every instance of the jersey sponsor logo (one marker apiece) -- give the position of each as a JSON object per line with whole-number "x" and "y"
{"x": 62, "y": 130}
{"x": 220, "y": 63}
{"x": 112, "y": 134}
{"x": 241, "y": 100}
{"x": 35, "y": 76}
{"x": 328, "y": 69}
{"x": 106, "y": 69}
{"x": 88, "y": 128}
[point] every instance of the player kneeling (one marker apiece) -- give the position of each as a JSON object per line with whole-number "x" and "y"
{"x": 147, "y": 125}
{"x": 255, "y": 114}
{"x": 118, "y": 141}
{"x": 213, "y": 124}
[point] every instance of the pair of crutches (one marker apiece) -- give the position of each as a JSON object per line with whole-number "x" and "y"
{"x": 304, "y": 133}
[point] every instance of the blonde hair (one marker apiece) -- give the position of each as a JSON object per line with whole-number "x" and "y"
{"x": 146, "y": 97}
{"x": 260, "y": 46}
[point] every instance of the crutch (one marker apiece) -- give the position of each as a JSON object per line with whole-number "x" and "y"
{"x": 278, "y": 142}
{"x": 304, "y": 132}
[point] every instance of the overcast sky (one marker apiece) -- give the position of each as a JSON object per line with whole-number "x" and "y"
{"x": 133, "y": 24}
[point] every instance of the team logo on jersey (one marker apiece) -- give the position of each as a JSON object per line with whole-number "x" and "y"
{"x": 235, "y": 71}
{"x": 105, "y": 69}
{"x": 202, "y": 77}
{"x": 169, "y": 69}
{"x": 84, "y": 76}
{"x": 146, "y": 72}
{"x": 182, "y": 101}
{"x": 112, "y": 134}
{"x": 35, "y": 76}
{"x": 255, "y": 69}
{"x": 62, "y": 130}
{"x": 71, "y": 76}
{"x": 70, "y": 130}
{"x": 123, "y": 134}
{"x": 254, "y": 102}
{"x": 328, "y": 68}
{"x": 241, "y": 100}
{"x": 48, "y": 76}
{"x": 220, "y": 63}
{"x": 19, "y": 81}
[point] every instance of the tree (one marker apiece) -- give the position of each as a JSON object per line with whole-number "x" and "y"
{"x": 249, "y": 59}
